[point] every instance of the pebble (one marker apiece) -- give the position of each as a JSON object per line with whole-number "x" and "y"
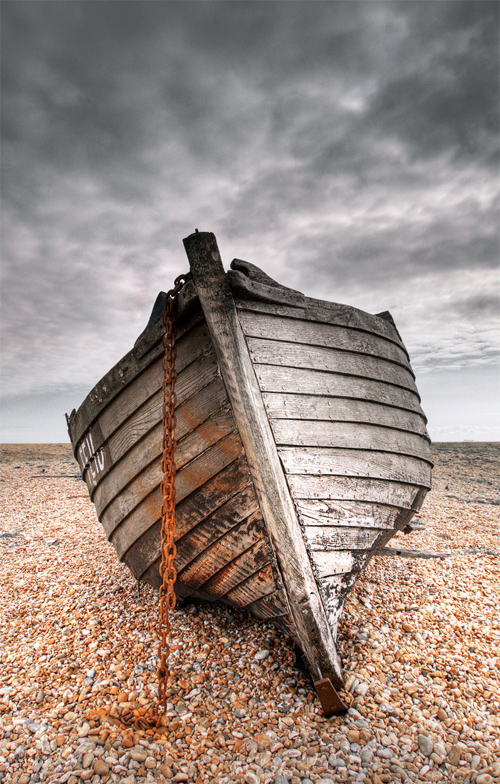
{"x": 227, "y": 717}
{"x": 454, "y": 756}
{"x": 425, "y": 745}
{"x": 101, "y": 768}
{"x": 366, "y": 755}
{"x": 138, "y": 756}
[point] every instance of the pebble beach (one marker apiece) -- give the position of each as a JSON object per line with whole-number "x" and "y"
{"x": 420, "y": 640}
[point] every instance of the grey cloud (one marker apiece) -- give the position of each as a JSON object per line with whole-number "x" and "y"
{"x": 451, "y": 103}
{"x": 480, "y": 305}
{"x": 340, "y": 145}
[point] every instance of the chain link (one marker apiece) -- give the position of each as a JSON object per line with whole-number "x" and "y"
{"x": 168, "y": 573}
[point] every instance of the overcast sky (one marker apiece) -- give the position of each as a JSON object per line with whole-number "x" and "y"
{"x": 348, "y": 148}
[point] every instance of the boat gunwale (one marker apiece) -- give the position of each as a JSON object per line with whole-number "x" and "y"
{"x": 301, "y": 313}
{"x": 246, "y": 288}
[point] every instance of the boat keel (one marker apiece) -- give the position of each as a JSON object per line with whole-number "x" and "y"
{"x": 329, "y": 698}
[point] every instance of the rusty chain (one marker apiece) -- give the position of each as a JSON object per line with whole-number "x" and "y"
{"x": 168, "y": 573}
{"x": 168, "y": 549}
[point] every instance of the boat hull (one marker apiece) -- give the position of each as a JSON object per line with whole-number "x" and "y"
{"x": 302, "y": 449}
{"x": 223, "y": 552}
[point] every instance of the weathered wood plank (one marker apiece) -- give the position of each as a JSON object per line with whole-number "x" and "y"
{"x": 191, "y": 412}
{"x": 317, "y": 382}
{"x": 209, "y": 463}
{"x": 209, "y": 530}
{"x": 141, "y": 422}
{"x": 353, "y": 489}
{"x": 229, "y": 567}
{"x": 269, "y": 607}
{"x": 220, "y": 424}
{"x": 402, "y": 552}
{"x": 209, "y": 497}
{"x": 355, "y": 462}
{"x": 277, "y": 507}
{"x": 241, "y": 286}
{"x": 297, "y": 355}
{"x": 198, "y": 509}
{"x": 144, "y": 486}
{"x": 122, "y": 432}
{"x": 135, "y": 394}
{"x": 188, "y": 479}
{"x": 220, "y": 554}
{"x": 125, "y": 471}
{"x": 145, "y": 552}
{"x": 134, "y": 363}
{"x": 341, "y": 409}
{"x": 315, "y": 334}
{"x": 294, "y": 432}
{"x": 313, "y": 511}
{"x": 149, "y": 448}
{"x": 188, "y": 314}
{"x": 326, "y": 538}
{"x": 189, "y": 415}
{"x": 339, "y": 561}
{"x": 146, "y": 549}
{"x": 192, "y": 378}
{"x": 327, "y": 313}
{"x": 254, "y": 587}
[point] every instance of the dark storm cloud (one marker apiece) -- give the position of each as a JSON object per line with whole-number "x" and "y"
{"x": 480, "y": 305}
{"x": 348, "y": 147}
{"x": 450, "y": 103}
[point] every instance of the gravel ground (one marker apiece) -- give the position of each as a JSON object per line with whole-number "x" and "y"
{"x": 420, "y": 642}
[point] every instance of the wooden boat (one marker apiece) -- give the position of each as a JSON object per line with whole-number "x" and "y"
{"x": 302, "y": 448}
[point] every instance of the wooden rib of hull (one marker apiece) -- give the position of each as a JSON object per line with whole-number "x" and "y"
{"x": 302, "y": 449}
